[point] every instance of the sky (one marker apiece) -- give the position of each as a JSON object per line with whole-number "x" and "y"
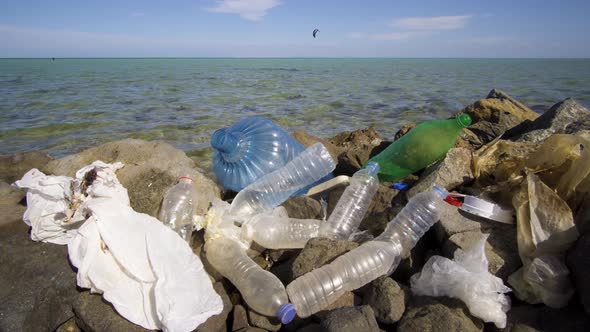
{"x": 283, "y": 28}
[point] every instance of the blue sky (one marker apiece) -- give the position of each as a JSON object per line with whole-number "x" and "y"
{"x": 282, "y": 28}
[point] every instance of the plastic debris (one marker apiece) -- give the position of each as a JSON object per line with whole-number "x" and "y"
{"x": 466, "y": 277}
{"x": 178, "y": 207}
{"x": 485, "y": 209}
{"x": 149, "y": 274}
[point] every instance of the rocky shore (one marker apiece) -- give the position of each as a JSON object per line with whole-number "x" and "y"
{"x": 39, "y": 291}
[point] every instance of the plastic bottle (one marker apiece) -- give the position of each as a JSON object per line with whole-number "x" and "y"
{"x": 260, "y": 289}
{"x": 273, "y": 189}
{"x": 319, "y": 288}
{"x": 280, "y": 231}
{"x": 420, "y": 147}
{"x": 249, "y": 149}
{"x": 178, "y": 207}
{"x": 353, "y": 204}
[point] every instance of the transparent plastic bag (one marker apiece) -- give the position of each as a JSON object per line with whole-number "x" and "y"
{"x": 466, "y": 277}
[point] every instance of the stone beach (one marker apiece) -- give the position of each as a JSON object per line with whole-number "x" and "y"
{"x": 39, "y": 290}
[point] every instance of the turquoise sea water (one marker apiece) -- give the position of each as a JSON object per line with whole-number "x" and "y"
{"x": 66, "y": 105}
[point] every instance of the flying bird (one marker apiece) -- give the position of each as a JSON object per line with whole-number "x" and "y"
{"x": 315, "y": 31}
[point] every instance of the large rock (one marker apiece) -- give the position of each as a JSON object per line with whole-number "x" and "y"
{"x": 302, "y": 207}
{"x": 541, "y": 318}
{"x": 317, "y": 252}
{"x": 429, "y": 314}
{"x": 239, "y": 318}
{"x": 12, "y": 205}
{"x": 356, "y": 147}
{"x": 350, "y": 319}
{"x": 578, "y": 260}
{"x": 494, "y": 115}
{"x": 264, "y": 322}
{"x": 13, "y": 167}
{"x": 308, "y": 140}
{"x": 565, "y": 117}
{"x": 38, "y": 285}
{"x": 150, "y": 169}
{"x": 95, "y": 314}
{"x": 449, "y": 173}
{"x": 387, "y": 299}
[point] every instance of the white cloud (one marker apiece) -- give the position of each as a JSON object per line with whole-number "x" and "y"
{"x": 252, "y": 10}
{"x": 431, "y": 23}
{"x": 393, "y": 35}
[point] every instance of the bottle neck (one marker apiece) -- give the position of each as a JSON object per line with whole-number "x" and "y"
{"x": 229, "y": 144}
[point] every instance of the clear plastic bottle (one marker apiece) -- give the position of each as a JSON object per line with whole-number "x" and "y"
{"x": 178, "y": 207}
{"x": 260, "y": 289}
{"x": 273, "y": 189}
{"x": 249, "y": 149}
{"x": 353, "y": 204}
{"x": 280, "y": 232}
{"x": 319, "y": 288}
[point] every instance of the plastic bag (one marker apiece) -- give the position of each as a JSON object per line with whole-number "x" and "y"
{"x": 466, "y": 277}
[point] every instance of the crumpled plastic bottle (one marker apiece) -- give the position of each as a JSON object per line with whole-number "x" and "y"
{"x": 178, "y": 207}
{"x": 260, "y": 289}
{"x": 319, "y": 288}
{"x": 249, "y": 149}
{"x": 353, "y": 204}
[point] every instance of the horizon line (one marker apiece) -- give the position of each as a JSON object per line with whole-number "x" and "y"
{"x": 286, "y": 57}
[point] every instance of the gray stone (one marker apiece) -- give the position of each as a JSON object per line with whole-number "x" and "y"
{"x": 302, "y": 207}
{"x": 264, "y": 322}
{"x": 494, "y": 115}
{"x": 454, "y": 170}
{"x": 564, "y": 117}
{"x": 38, "y": 286}
{"x": 578, "y": 260}
{"x": 348, "y": 299}
{"x": 308, "y": 140}
{"x": 69, "y": 326}
{"x": 317, "y": 252}
{"x": 356, "y": 147}
{"x": 11, "y": 209}
{"x": 239, "y": 318}
{"x": 95, "y": 314}
{"x": 218, "y": 323}
{"x": 387, "y": 299}
{"x": 528, "y": 318}
{"x": 150, "y": 169}
{"x": 312, "y": 328}
{"x": 252, "y": 329}
{"x": 13, "y": 167}
{"x": 429, "y": 314}
{"x": 350, "y": 319}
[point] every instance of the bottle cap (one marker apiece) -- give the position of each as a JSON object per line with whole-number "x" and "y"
{"x": 401, "y": 186}
{"x": 485, "y": 209}
{"x": 372, "y": 168}
{"x": 286, "y": 313}
{"x": 441, "y": 191}
{"x": 185, "y": 177}
{"x": 464, "y": 120}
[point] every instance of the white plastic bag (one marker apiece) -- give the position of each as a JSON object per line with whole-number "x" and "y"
{"x": 466, "y": 277}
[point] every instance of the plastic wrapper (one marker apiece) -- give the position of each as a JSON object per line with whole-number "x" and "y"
{"x": 466, "y": 277}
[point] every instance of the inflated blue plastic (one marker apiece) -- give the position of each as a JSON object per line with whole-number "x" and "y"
{"x": 249, "y": 149}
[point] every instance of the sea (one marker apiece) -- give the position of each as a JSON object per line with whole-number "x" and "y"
{"x": 63, "y": 106}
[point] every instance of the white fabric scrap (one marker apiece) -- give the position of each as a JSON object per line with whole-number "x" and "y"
{"x": 48, "y": 206}
{"x": 466, "y": 277}
{"x": 149, "y": 274}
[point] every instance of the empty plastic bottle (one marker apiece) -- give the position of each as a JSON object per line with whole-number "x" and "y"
{"x": 319, "y": 288}
{"x": 273, "y": 189}
{"x": 249, "y": 149}
{"x": 280, "y": 231}
{"x": 420, "y": 147}
{"x": 178, "y": 207}
{"x": 353, "y": 204}
{"x": 260, "y": 289}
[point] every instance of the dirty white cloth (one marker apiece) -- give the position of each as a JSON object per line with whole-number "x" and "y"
{"x": 466, "y": 277}
{"x": 143, "y": 268}
{"x": 149, "y": 274}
